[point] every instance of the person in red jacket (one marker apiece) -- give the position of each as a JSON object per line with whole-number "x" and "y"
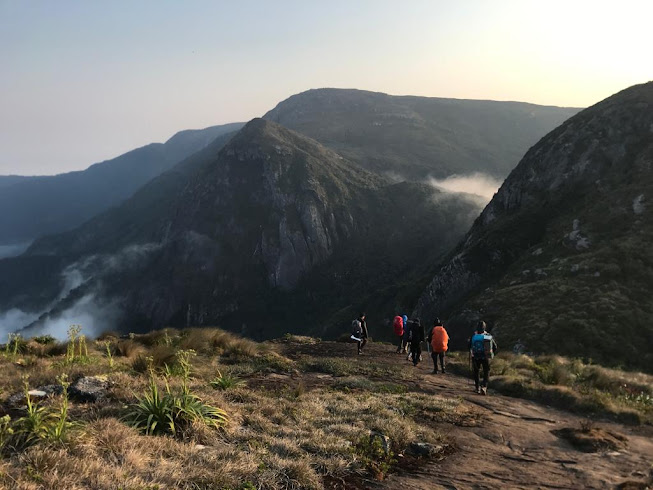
{"x": 398, "y": 325}
{"x": 439, "y": 340}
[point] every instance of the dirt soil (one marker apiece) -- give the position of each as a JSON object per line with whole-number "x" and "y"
{"x": 513, "y": 443}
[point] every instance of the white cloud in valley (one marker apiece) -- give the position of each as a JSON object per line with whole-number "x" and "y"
{"x": 476, "y": 184}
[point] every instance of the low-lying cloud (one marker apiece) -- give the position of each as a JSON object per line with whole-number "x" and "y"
{"x": 92, "y": 311}
{"x": 476, "y": 184}
{"x": 94, "y": 317}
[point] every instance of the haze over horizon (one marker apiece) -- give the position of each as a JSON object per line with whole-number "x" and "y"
{"x": 86, "y": 82}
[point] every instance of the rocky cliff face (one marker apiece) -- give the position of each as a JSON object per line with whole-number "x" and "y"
{"x": 550, "y": 261}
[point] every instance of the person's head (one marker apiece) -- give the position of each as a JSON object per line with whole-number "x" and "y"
{"x": 362, "y": 316}
{"x": 480, "y": 326}
{"x": 437, "y": 322}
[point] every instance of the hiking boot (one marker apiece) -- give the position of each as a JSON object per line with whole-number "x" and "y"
{"x": 484, "y": 391}
{"x": 478, "y": 390}
{"x": 444, "y": 372}
{"x": 435, "y": 372}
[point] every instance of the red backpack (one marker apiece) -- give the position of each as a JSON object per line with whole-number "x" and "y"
{"x": 398, "y": 325}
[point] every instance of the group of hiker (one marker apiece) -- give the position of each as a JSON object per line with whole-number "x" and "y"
{"x": 411, "y": 334}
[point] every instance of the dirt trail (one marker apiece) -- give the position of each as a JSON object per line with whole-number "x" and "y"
{"x": 513, "y": 445}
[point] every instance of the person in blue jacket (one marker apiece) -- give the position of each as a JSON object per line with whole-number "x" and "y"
{"x": 482, "y": 348}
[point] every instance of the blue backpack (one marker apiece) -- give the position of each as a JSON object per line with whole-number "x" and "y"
{"x": 482, "y": 346}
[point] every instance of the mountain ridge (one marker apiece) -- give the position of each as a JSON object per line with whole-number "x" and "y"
{"x": 411, "y": 137}
{"x": 34, "y": 206}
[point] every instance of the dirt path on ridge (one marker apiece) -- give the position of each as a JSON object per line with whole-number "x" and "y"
{"x": 513, "y": 445}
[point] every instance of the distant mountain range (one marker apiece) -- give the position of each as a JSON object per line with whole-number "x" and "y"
{"x": 412, "y": 138}
{"x": 560, "y": 260}
{"x": 35, "y": 206}
{"x": 273, "y": 230}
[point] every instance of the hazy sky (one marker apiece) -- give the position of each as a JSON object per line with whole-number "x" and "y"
{"x": 85, "y": 81}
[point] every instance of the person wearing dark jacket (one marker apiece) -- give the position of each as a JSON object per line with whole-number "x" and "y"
{"x": 482, "y": 348}
{"x": 417, "y": 337}
{"x": 363, "y": 340}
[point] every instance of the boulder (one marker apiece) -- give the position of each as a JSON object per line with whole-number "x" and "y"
{"x": 89, "y": 389}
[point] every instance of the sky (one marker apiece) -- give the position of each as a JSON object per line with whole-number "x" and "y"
{"x": 82, "y": 82}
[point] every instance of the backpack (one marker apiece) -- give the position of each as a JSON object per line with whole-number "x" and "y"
{"x": 398, "y": 325}
{"x": 356, "y": 328}
{"x": 482, "y": 346}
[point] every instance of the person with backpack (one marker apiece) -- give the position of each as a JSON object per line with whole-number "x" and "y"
{"x": 359, "y": 332}
{"x": 439, "y": 341}
{"x": 482, "y": 348}
{"x": 406, "y": 338}
{"x": 398, "y": 326}
{"x": 416, "y": 339}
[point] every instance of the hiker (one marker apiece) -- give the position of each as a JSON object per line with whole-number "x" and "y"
{"x": 482, "y": 348}
{"x": 439, "y": 341}
{"x": 406, "y": 338}
{"x": 359, "y": 327}
{"x": 416, "y": 339}
{"x": 398, "y": 325}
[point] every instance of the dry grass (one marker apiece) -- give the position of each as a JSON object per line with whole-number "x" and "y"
{"x": 276, "y": 438}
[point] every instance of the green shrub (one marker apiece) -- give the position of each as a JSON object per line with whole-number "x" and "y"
{"x": 44, "y": 339}
{"x": 6, "y": 432}
{"x": 34, "y": 425}
{"x": 60, "y": 426}
{"x": 171, "y": 413}
{"x": 225, "y": 381}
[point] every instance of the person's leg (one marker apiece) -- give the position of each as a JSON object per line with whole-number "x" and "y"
{"x": 476, "y": 367}
{"x": 359, "y": 342}
{"x": 417, "y": 353}
{"x": 441, "y": 356}
{"x": 434, "y": 356}
{"x": 486, "y": 372}
{"x": 401, "y": 343}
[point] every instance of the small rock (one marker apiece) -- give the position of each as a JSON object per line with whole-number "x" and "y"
{"x": 89, "y": 388}
{"x": 424, "y": 448}
{"x": 40, "y": 393}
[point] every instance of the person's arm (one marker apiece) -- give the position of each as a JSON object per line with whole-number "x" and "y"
{"x": 495, "y": 347}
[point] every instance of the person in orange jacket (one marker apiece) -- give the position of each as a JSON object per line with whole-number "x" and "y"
{"x": 439, "y": 340}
